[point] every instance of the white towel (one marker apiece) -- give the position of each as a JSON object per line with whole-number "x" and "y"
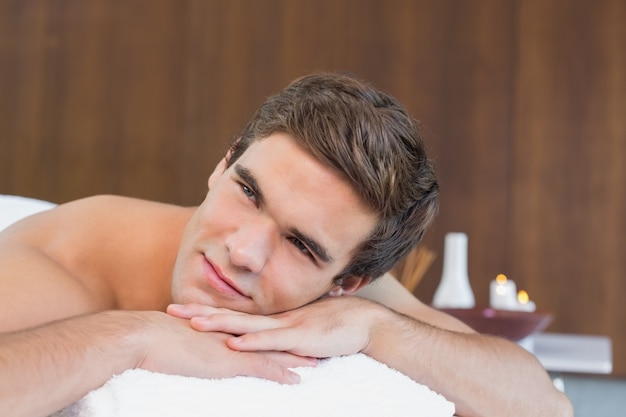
{"x": 14, "y": 208}
{"x": 354, "y": 385}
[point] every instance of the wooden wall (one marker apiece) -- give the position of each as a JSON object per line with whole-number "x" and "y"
{"x": 525, "y": 102}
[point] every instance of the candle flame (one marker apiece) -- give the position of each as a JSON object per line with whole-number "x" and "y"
{"x": 523, "y": 297}
{"x": 501, "y": 279}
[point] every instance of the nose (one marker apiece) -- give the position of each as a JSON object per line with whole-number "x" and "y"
{"x": 250, "y": 246}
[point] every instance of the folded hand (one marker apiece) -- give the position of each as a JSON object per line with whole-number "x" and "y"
{"x": 329, "y": 327}
{"x": 175, "y": 347}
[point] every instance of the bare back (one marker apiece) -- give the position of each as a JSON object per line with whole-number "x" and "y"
{"x": 93, "y": 254}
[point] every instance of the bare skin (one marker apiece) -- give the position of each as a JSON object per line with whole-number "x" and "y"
{"x": 87, "y": 293}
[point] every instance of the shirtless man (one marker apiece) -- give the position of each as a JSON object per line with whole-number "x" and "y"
{"x": 327, "y": 187}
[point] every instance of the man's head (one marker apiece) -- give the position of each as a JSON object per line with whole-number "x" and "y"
{"x": 327, "y": 187}
{"x": 369, "y": 139}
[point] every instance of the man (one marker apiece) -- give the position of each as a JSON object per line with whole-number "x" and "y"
{"x": 327, "y": 187}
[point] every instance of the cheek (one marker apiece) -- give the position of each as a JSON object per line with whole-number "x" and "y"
{"x": 291, "y": 287}
{"x": 213, "y": 215}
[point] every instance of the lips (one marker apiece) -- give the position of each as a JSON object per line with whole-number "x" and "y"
{"x": 218, "y": 281}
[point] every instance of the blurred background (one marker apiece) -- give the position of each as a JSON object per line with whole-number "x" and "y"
{"x": 524, "y": 102}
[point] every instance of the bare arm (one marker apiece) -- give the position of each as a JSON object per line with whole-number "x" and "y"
{"x": 483, "y": 375}
{"x": 48, "y": 367}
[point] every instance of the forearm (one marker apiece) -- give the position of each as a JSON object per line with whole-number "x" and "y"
{"x": 482, "y": 375}
{"x": 48, "y": 367}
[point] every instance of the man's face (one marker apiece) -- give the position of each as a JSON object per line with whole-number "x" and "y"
{"x": 274, "y": 230}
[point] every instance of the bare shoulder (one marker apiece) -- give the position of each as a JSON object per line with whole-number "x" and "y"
{"x": 115, "y": 209}
{"x": 89, "y": 217}
{"x": 86, "y": 256}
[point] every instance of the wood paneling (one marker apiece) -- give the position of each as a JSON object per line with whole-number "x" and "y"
{"x": 524, "y": 103}
{"x": 91, "y": 98}
{"x": 568, "y": 211}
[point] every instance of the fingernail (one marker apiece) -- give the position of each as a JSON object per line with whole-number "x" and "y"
{"x": 236, "y": 341}
{"x": 293, "y": 377}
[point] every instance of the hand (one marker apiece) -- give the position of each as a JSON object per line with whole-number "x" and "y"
{"x": 329, "y": 327}
{"x": 176, "y": 348}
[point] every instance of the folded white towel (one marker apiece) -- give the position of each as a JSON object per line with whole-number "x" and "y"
{"x": 355, "y": 385}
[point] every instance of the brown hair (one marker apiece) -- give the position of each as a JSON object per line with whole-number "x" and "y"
{"x": 368, "y": 137}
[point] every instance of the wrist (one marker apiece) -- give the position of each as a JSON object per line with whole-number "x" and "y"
{"x": 396, "y": 337}
{"x": 380, "y": 319}
{"x": 127, "y": 335}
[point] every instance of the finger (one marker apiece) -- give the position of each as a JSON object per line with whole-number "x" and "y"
{"x": 296, "y": 341}
{"x": 261, "y": 366}
{"x": 290, "y": 360}
{"x": 187, "y": 311}
{"x": 284, "y": 340}
{"x": 233, "y": 323}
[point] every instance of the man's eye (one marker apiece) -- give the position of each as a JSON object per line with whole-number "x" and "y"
{"x": 248, "y": 191}
{"x": 300, "y": 246}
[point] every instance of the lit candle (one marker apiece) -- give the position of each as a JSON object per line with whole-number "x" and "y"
{"x": 503, "y": 293}
{"x": 524, "y": 303}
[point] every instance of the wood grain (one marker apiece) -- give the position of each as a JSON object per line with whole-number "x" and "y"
{"x": 523, "y": 102}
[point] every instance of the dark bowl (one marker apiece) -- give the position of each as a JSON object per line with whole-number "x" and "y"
{"x": 512, "y": 325}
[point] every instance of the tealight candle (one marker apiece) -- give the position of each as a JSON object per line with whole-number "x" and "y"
{"x": 524, "y": 303}
{"x": 503, "y": 293}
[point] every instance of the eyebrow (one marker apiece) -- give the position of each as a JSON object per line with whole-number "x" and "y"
{"x": 313, "y": 245}
{"x": 245, "y": 174}
{"x": 317, "y": 248}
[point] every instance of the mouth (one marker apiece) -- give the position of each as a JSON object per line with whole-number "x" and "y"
{"x": 218, "y": 281}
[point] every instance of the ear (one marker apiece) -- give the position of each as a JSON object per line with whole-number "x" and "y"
{"x": 219, "y": 170}
{"x": 348, "y": 286}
